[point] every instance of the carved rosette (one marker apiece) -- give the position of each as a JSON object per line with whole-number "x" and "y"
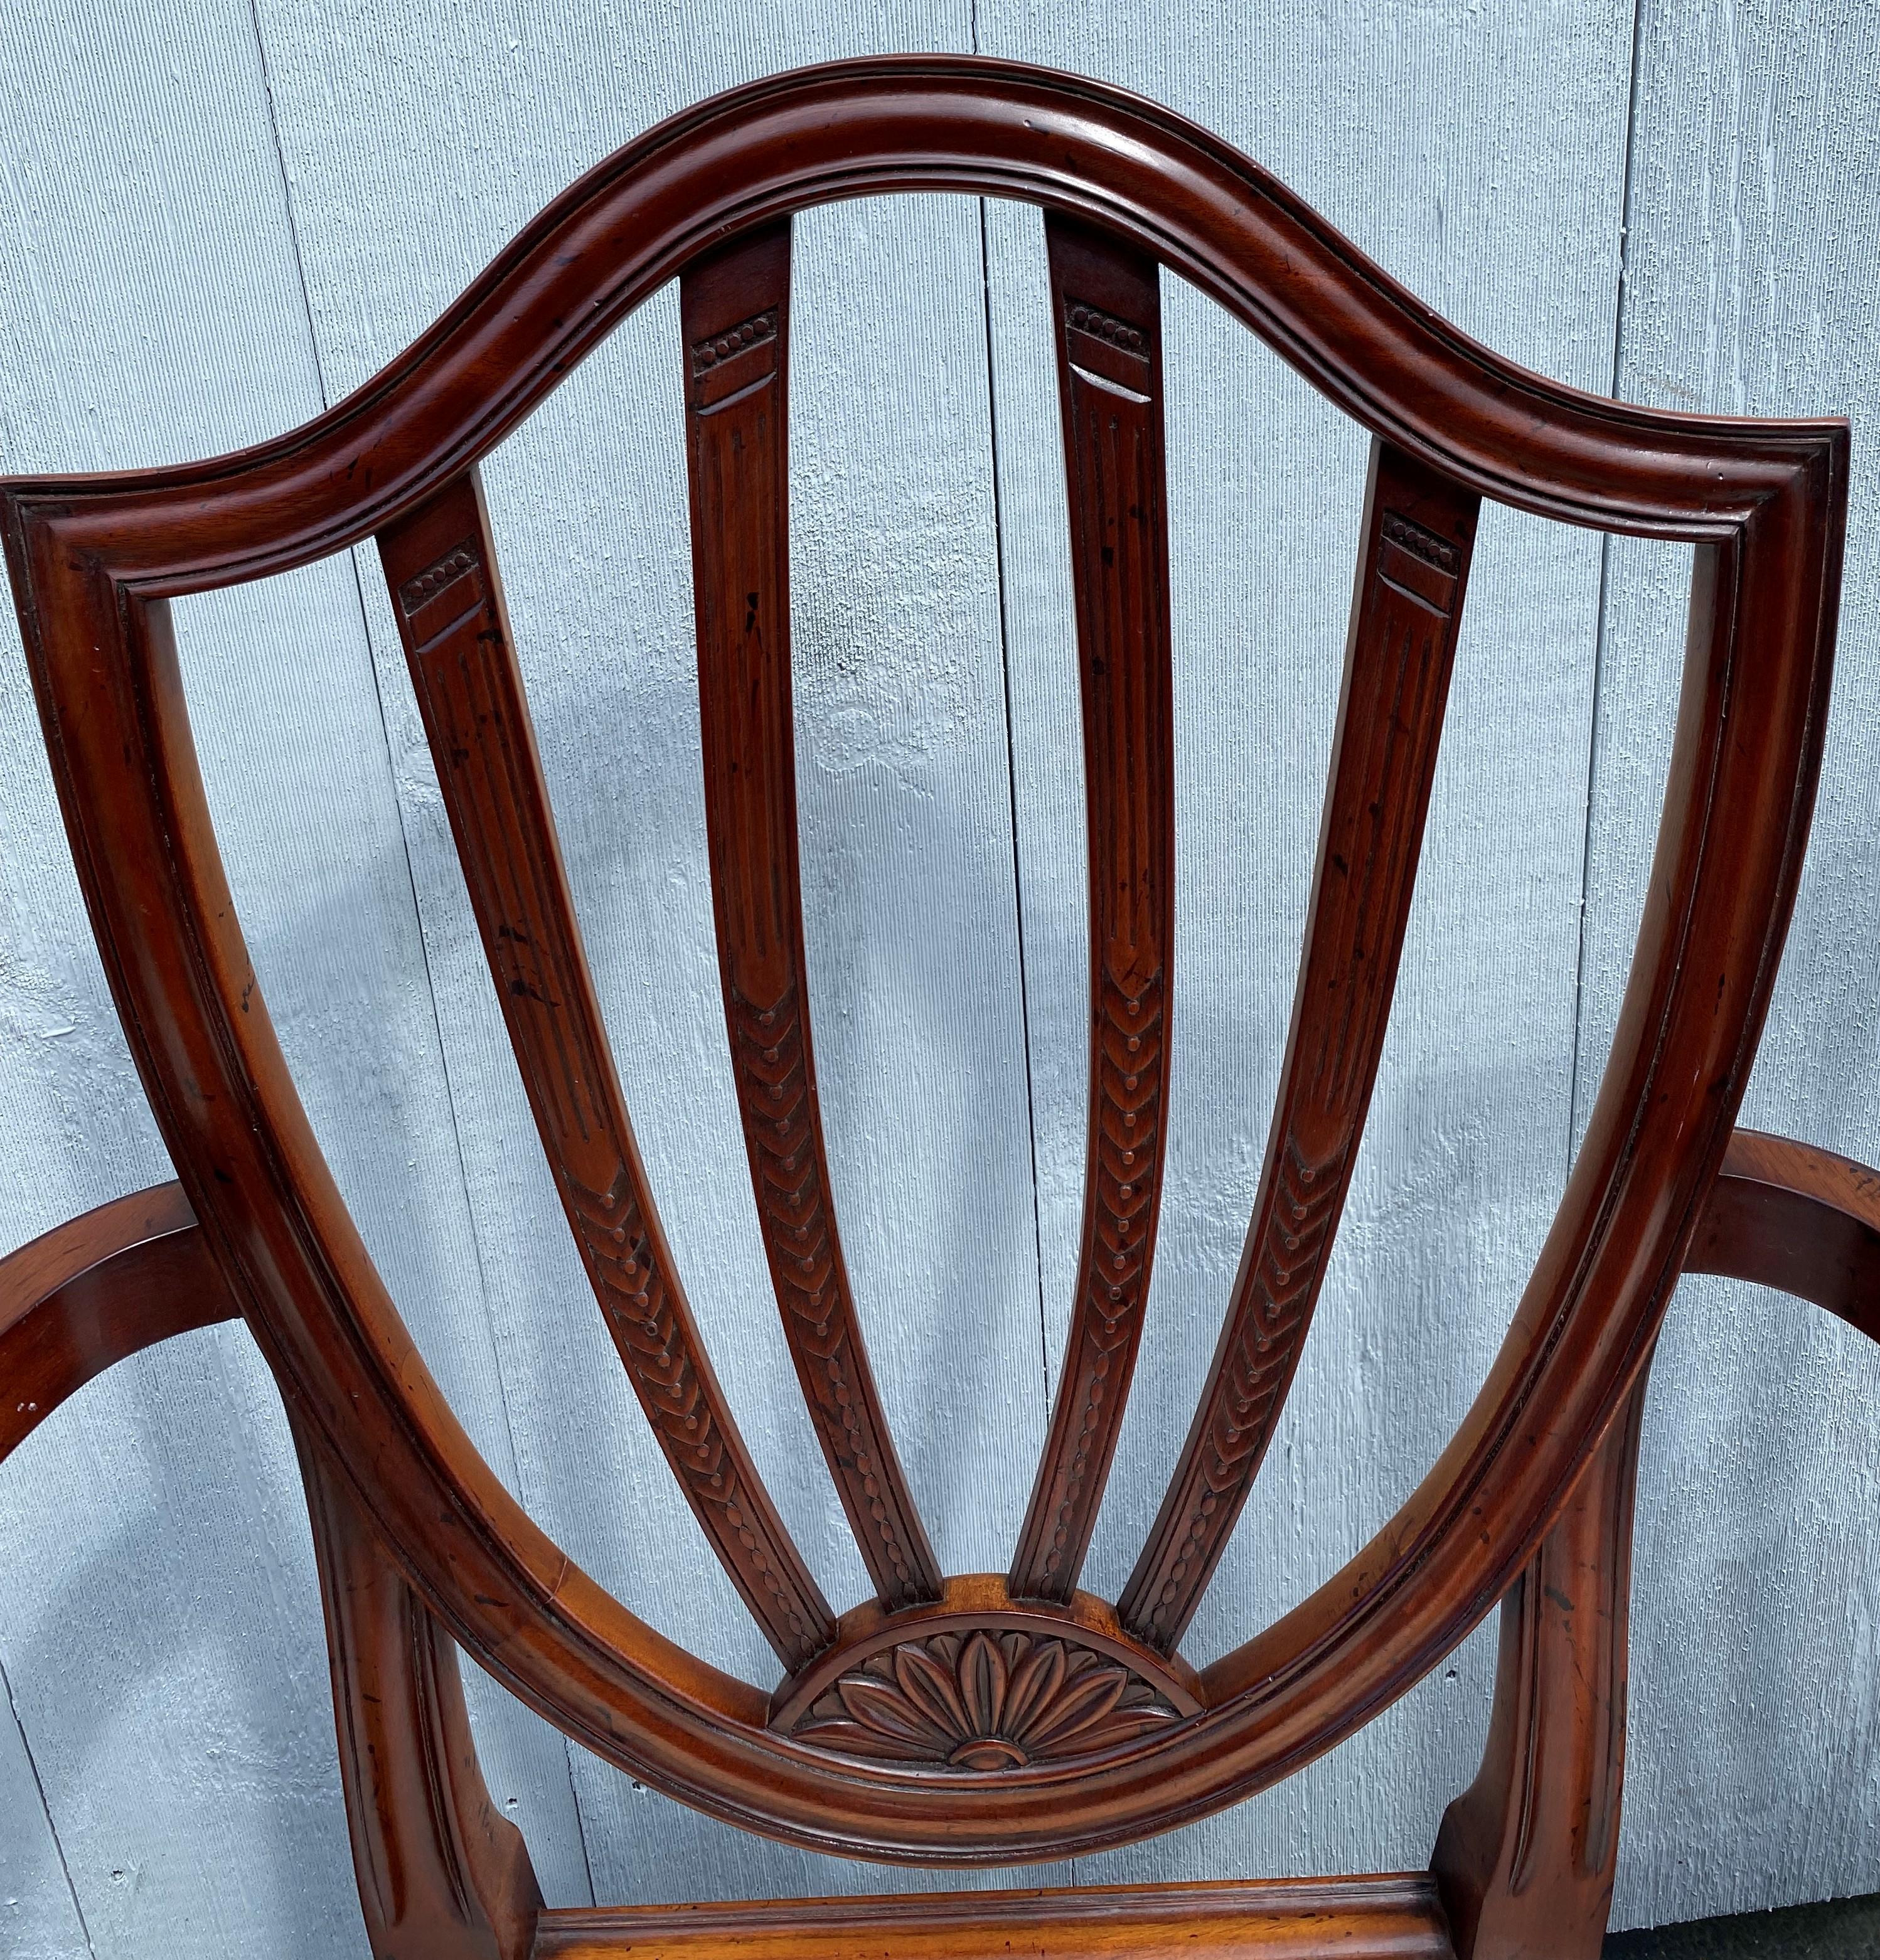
{"x": 985, "y": 1701}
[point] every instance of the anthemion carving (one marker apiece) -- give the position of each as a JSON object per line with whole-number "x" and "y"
{"x": 985, "y": 1701}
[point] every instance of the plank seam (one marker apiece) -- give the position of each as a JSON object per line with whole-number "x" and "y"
{"x": 1593, "y": 747}
{"x": 411, "y": 876}
{"x": 1012, "y": 789}
{"x": 45, "y": 1809}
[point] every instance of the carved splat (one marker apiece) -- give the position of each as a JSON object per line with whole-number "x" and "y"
{"x": 1107, "y": 309}
{"x": 441, "y": 564}
{"x": 979, "y": 1682}
{"x": 734, "y": 306}
{"x": 1419, "y": 530}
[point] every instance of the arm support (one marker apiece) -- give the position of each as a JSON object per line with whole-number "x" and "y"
{"x": 95, "y": 1290}
{"x": 1787, "y": 1215}
{"x": 1525, "y": 1857}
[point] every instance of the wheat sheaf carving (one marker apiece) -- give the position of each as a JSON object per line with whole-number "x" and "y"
{"x": 1255, "y": 1372}
{"x": 770, "y": 1059}
{"x": 985, "y": 1701}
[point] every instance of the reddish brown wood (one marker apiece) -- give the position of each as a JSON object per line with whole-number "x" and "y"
{"x": 441, "y": 1875}
{"x": 1787, "y": 1215}
{"x": 1413, "y": 569}
{"x": 1526, "y": 1855}
{"x": 1397, "y": 1917}
{"x": 94, "y": 1290}
{"x": 441, "y": 564}
{"x": 735, "y": 307}
{"x": 979, "y": 1679}
{"x": 1106, "y": 310}
{"x": 93, "y": 561}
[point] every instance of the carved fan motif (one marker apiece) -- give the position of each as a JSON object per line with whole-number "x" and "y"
{"x": 981, "y": 1702}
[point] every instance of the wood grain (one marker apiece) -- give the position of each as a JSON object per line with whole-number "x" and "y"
{"x": 440, "y": 563}
{"x": 1525, "y": 1857}
{"x": 1411, "y": 579}
{"x": 442, "y": 1877}
{"x": 151, "y": 303}
{"x": 1751, "y": 216}
{"x": 1769, "y": 499}
{"x": 95, "y": 1290}
{"x": 734, "y": 313}
{"x": 1803, "y": 1221}
{"x": 93, "y": 565}
{"x": 1106, "y": 316}
{"x": 1386, "y": 124}
{"x": 1387, "y": 1918}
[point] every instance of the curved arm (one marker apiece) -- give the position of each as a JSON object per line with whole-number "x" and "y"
{"x": 95, "y": 1290}
{"x": 92, "y": 562}
{"x": 1787, "y": 1215}
{"x": 1525, "y": 1857}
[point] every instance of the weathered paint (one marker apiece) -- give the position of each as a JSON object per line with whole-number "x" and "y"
{"x": 1465, "y": 1146}
{"x": 1754, "y": 231}
{"x": 328, "y": 178}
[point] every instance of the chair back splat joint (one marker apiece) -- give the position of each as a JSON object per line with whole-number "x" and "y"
{"x": 983, "y": 1718}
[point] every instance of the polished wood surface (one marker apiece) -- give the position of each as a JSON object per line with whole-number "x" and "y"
{"x": 735, "y": 317}
{"x": 441, "y": 1875}
{"x": 441, "y": 564}
{"x": 1413, "y": 569}
{"x": 1525, "y": 1856}
{"x": 95, "y": 1290}
{"x": 1106, "y": 315}
{"x": 1801, "y": 1219}
{"x": 92, "y": 560}
{"x": 973, "y": 1719}
{"x": 1390, "y": 1918}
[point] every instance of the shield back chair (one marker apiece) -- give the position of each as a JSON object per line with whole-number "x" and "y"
{"x": 983, "y": 1719}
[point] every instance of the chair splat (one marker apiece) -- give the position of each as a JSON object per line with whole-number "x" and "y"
{"x": 440, "y": 561}
{"x": 1106, "y": 311}
{"x": 1419, "y": 531}
{"x": 735, "y": 306}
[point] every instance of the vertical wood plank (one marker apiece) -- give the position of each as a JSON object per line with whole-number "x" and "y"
{"x": 1106, "y": 327}
{"x": 152, "y": 311}
{"x": 1753, "y": 226}
{"x": 1396, "y": 122}
{"x": 39, "y": 1912}
{"x": 902, "y": 787}
{"x": 1397, "y": 139}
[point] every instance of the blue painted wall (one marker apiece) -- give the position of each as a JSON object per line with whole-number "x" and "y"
{"x": 217, "y": 218}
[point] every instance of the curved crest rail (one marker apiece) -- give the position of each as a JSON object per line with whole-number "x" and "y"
{"x": 980, "y": 1719}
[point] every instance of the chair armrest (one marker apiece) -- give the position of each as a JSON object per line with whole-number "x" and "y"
{"x": 1786, "y": 1214}
{"x": 95, "y": 1290}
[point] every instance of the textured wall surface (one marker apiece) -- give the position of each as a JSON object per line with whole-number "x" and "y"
{"x": 216, "y": 218}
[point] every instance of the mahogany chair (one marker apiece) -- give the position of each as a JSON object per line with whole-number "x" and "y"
{"x": 988, "y": 1719}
